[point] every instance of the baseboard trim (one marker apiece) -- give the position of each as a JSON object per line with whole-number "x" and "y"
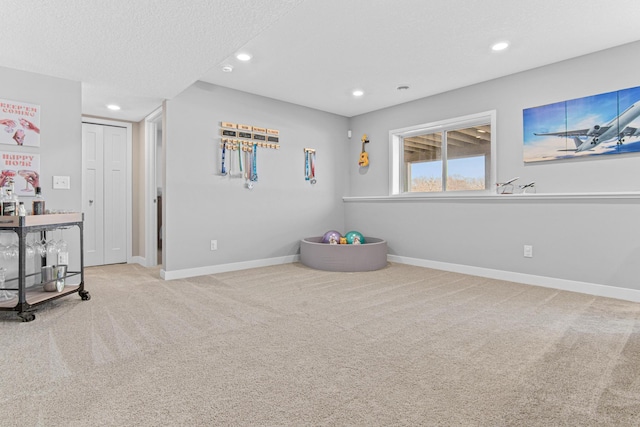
{"x": 527, "y": 279}
{"x": 223, "y": 268}
{"x": 139, "y": 260}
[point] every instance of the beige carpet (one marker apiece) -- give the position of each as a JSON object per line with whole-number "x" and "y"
{"x": 291, "y": 346}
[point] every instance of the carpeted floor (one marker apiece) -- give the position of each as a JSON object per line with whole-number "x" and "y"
{"x": 291, "y": 346}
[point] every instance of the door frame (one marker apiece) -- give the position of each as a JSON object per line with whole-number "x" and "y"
{"x": 151, "y": 188}
{"x": 129, "y": 207}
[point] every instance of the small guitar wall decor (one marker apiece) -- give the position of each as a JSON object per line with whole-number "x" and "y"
{"x": 364, "y": 156}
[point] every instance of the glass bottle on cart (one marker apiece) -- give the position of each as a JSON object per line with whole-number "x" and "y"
{"x": 37, "y": 207}
{"x": 10, "y": 204}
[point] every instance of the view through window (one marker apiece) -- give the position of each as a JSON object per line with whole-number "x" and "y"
{"x": 450, "y": 159}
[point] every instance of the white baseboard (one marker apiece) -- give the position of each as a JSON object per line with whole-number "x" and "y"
{"x": 138, "y": 260}
{"x": 528, "y": 279}
{"x": 223, "y": 268}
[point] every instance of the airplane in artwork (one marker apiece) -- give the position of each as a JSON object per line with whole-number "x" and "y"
{"x": 599, "y": 134}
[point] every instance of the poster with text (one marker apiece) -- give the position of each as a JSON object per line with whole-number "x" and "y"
{"x": 23, "y": 168}
{"x": 19, "y": 123}
{"x": 603, "y": 124}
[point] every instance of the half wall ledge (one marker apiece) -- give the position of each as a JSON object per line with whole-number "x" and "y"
{"x": 369, "y": 256}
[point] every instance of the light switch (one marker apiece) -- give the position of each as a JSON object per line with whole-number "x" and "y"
{"x": 62, "y": 182}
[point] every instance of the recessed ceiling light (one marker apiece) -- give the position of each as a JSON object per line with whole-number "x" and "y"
{"x": 243, "y": 57}
{"x": 500, "y": 46}
{"x": 358, "y": 92}
{"x": 113, "y": 107}
{"x": 227, "y": 68}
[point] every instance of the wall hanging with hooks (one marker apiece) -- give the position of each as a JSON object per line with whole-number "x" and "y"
{"x": 245, "y": 139}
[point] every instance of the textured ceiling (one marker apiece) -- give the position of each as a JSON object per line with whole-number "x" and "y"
{"x": 318, "y": 54}
{"x": 309, "y": 52}
{"x": 131, "y": 52}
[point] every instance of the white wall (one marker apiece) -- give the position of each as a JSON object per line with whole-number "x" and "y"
{"x": 249, "y": 225}
{"x": 593, "y": 240}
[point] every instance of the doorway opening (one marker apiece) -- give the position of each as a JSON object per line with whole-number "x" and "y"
{"x": 154, "y": 188}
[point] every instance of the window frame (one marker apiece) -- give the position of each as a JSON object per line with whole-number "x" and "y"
{"x": 398, "y": 170}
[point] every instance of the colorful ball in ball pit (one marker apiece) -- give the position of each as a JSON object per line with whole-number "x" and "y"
{"x": 332, "y": 237}
{"x": 354, "y": 238}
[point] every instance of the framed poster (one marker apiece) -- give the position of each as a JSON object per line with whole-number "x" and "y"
{"x": 23, "y": 168}
{"x": 19, "y": 123}
{"x": 608, "y": 123}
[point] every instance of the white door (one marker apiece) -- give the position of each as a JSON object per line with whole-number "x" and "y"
{"x": 115, "y": 195}
{"x": 93, "y": 197}
{"x": 105, "y": 194}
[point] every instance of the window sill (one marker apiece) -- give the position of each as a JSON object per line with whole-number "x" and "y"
{"x": 492, "y": 197}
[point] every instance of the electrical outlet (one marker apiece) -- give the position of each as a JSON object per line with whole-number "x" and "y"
{"x": 63, "y": 258}
{"x": 214, "y": 245}
{"x": 528, "y": 251}
{"x": 62, "y": 182}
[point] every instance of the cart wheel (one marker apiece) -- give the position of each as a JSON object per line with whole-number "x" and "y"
{"x": 27, "y": 317}
{"x": 84, "y": 295}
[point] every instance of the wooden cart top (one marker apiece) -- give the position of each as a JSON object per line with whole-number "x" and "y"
{"x": 39, "y": 220}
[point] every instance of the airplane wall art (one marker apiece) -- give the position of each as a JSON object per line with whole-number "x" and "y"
{"x": 608, "y": 123}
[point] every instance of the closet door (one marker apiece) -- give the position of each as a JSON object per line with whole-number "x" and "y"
{"x": 105, "y": 192}
{"x": 115, "y": 195}
{"x": 93, "y": 193}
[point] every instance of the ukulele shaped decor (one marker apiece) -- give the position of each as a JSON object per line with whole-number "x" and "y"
{"x": 364, "y": 156}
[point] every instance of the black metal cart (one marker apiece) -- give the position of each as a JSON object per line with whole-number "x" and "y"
{"x": 28, "y": 298}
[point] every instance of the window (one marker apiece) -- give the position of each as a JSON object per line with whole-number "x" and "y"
{"x": 449, "y": 156}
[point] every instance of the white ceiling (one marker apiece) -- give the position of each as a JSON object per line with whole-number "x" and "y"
{"x": 309, "y": 52}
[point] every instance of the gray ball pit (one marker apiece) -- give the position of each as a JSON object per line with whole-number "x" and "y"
{"x": 323, "y": 256}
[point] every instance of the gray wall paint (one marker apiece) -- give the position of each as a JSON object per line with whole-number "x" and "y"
{"x": 590, "y": 241}
{"x": 138, "y": 196}
{"x": 60, "y": 139}
{"x": 269, "y": 220}
{"x": 60, "y": 131}
{"x": 587, "y": 75}
{"x": 586, "y": 241}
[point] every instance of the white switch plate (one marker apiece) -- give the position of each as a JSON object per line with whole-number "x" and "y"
{"x": 62, "y": 182}
{"x": 63, "y": 258}
{"x": 528, "y": 251}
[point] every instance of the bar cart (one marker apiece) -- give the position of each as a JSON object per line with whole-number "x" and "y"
{"x": 29, "y": 297}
